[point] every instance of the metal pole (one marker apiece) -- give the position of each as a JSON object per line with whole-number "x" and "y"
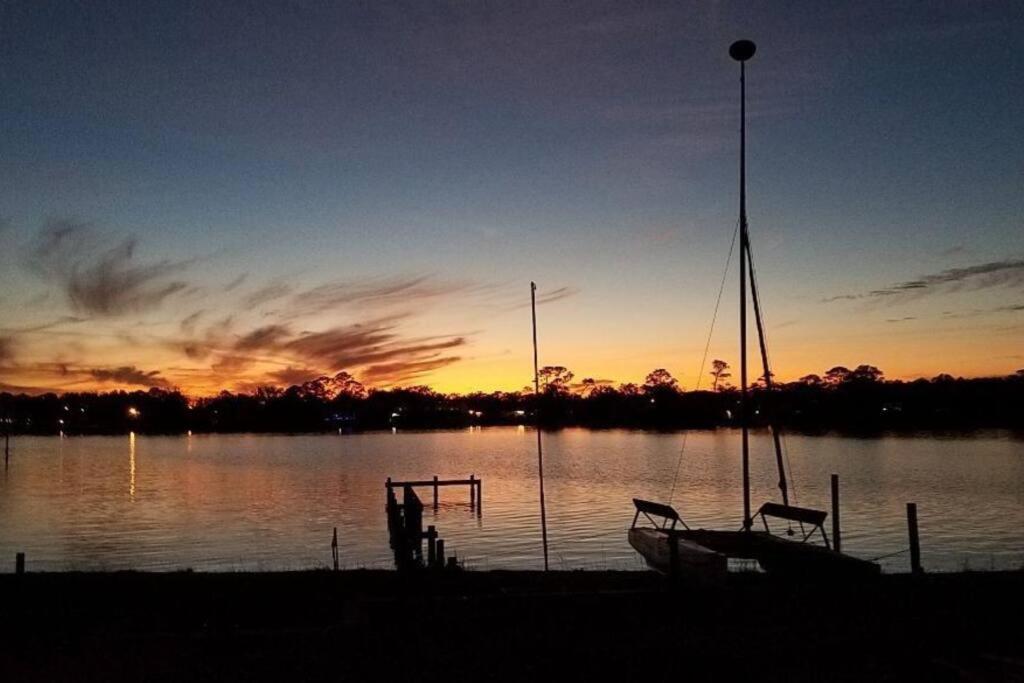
{"x": 747, "y": 521}
{"x": 836, "y": 539}
{"x": 540, "y": 446}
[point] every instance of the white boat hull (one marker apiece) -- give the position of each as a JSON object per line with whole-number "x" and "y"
{"x": 694, "y": 559}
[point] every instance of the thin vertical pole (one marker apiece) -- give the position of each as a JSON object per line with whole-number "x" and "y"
{"x": 915, "y": 543}
{"x": 836, "y": 538}
{"x": 334, "y": 548}
{"x": 435, "y": 493}
{"x": 540, "y": 446}
{"x": 747, "y": 521}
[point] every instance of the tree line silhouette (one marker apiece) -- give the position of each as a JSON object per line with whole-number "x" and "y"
{"x": 858, "y": 399}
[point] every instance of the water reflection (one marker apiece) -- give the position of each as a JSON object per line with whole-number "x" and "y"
{"x": 271, "y": 502}
{"x": 131, "y": 466}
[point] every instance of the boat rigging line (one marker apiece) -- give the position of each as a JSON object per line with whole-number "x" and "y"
{"x": 704, "y": 359}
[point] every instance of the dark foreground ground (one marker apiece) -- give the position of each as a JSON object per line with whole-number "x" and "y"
{"x": 508, "y": 626}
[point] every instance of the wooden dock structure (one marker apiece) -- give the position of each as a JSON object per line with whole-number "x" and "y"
{"x": 405, "y": 521}
{"x": 476, "y": 490}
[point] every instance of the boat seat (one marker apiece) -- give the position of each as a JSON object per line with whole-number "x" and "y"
{"x": 794, "y": 514}
{"x": 814, "y": 518}
{"x": 649, "y": 509}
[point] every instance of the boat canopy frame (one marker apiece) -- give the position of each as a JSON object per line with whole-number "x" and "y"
{"x": 815, "y": 519}
{"x": 651, "y": 510}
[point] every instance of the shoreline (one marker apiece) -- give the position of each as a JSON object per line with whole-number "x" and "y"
{"x": 1011, "y": 432}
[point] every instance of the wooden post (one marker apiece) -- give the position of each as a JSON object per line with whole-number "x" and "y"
{"x": 435, "y": 493}
{"x": 19, "y": 563}
{"x": 673, "y": 557}
{"x": 479, "y": 496}
{"x": 431, "y": 545}
{"x": 915, "y": 544}
{"x": 472, "y": 491}
{"x": 334, "y": 548}
{"x": 440, "y": 553}
{"x": 836, "y": 538}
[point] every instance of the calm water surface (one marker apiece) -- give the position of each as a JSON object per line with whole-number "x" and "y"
{"x": 271, "y": 502}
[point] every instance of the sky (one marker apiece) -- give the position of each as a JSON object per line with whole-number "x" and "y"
{"x": 226, "y": 195}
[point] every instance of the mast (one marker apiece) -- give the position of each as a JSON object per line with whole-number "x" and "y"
{"x": 540, "y": 448}
{"x": 768, "y": 382}
{"x": 741, "y": 51}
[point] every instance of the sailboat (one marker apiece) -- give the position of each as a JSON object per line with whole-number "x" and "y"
{"x": 667, "y": 543}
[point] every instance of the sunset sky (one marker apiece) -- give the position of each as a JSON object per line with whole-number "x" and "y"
{"x": 195, "y": 195}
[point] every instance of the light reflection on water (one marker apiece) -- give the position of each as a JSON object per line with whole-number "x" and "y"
{"x": 270, "y": 502}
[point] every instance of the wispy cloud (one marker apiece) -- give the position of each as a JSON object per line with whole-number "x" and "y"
{"x": 129, "y": 375}
{"x": 548, "y": 297}
{"x": 6, "y": 349}
{"x": 265, "y": 294}
{"x": 290, "y": 376}
{"x": 1007, "y": 273}
{"x": 188, "y": 323}
{"x": 99, "y": 278}
{"x": 378, "y": 292}
{"x": 404, "y": 371}
{"x": 236, "y": 283}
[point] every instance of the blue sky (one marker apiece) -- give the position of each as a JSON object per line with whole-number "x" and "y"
{"x": 475, "y": 146}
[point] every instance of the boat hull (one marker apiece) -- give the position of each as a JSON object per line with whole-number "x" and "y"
{"x": 782, "y": 556}
{"x": 693, "y": 559}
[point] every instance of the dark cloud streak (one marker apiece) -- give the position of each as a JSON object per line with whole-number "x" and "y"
{"x": 1007, "y": 273}
{"x": 102, "y": 280}
{"x": 131, "y": 375}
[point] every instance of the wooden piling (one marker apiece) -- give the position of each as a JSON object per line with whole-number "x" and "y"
{"x": 673, "y": 556}
{"x": 431, "y": 545}
{"x": 472, "y": 491}
{"x": 479, "y": 497}
{"x": 915, "y": 544}
{"x": 440, "y": 552}
{"x": 836, "y": 538}
{"x": 334, "y": 548}
{"x": 435, "y": 493}
{"x": 19, "y": 563}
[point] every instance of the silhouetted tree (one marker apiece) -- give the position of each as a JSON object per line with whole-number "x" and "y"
{"x": 629, "y": 389}
{"x": 864, "y": 373}
{"x": 719, "y": 370}
{"x": 660, "y": 380}
{"x": 860, "y": 399}
{"x": 555, "y": 379}
{"x": 587, "y": 386}
{"x": 837, "y": 375}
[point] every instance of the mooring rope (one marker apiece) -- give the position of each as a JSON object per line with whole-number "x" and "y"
{"x": 704, "y": 359}
{"x": 882, "y": 557}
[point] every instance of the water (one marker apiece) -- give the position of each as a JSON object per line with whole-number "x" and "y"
{"x": 246, "y": 502}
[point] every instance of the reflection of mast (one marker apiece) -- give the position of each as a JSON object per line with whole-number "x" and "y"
{"x": 540, "y": 448}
